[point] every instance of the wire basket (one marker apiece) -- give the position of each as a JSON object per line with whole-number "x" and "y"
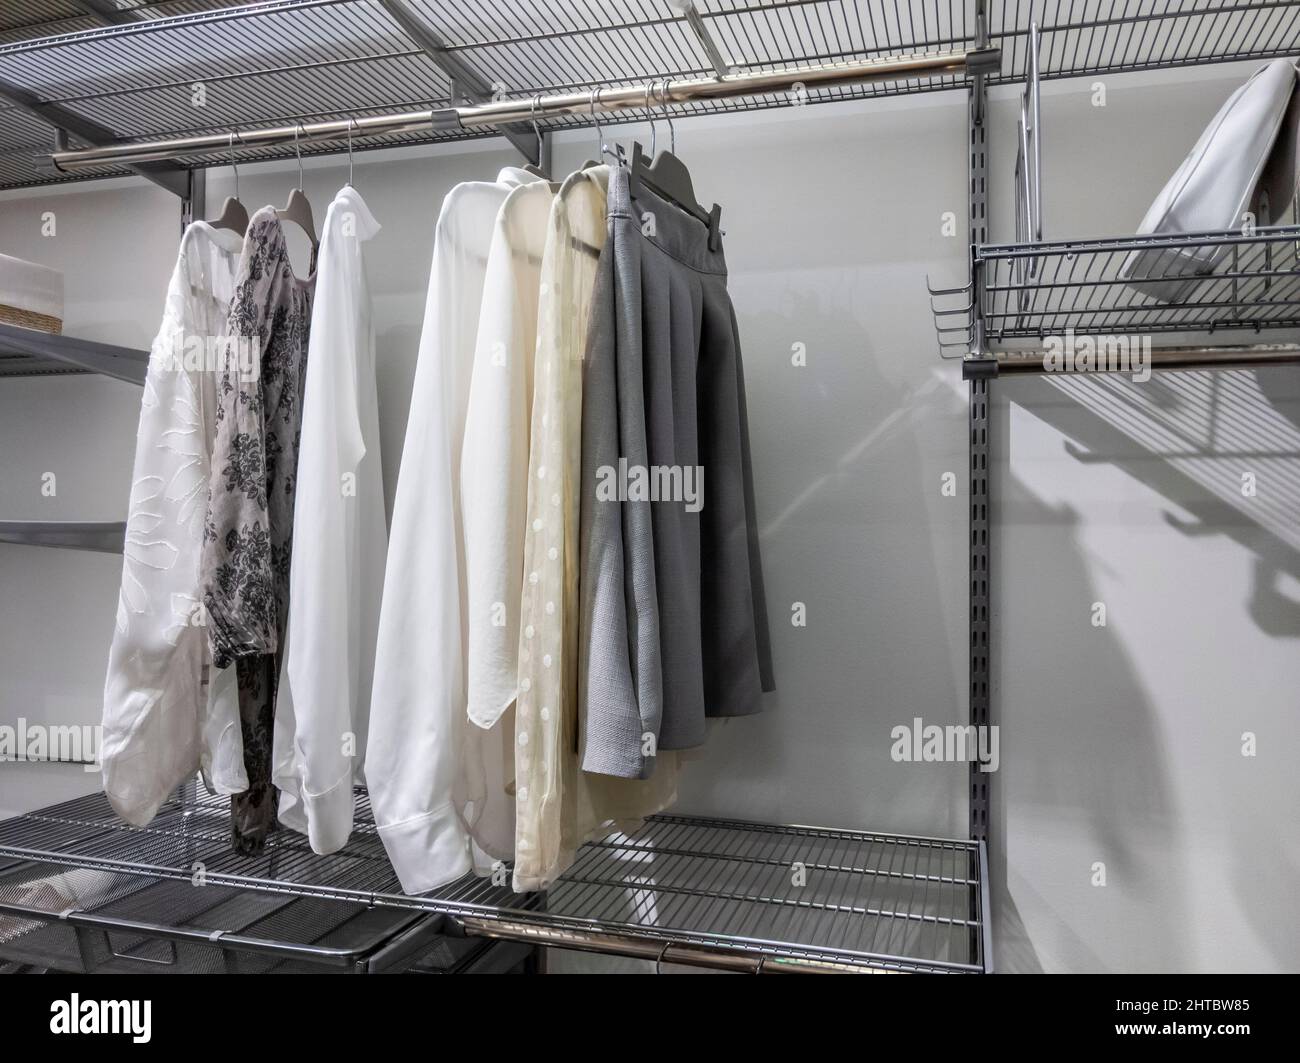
{"x": 1141, "y": 284}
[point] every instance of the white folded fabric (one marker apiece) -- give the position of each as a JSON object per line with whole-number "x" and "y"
{"x": 27, "y": 286}
{"x": 1213, "y": 187}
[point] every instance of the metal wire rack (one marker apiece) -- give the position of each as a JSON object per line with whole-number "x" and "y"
{"x": 1143, "y": 284}
{"x": 719, "y": 893}
{"x": 148, "y": 69}
{"x": 1192, "y": 284}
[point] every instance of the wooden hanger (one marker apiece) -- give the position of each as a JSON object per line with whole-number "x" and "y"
{"x": 233, "y": 216}
{"x": 668, "y": 177}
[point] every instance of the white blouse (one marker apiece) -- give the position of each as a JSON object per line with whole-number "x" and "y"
{"x": 558, "y": 806}
{"x": 340, "y": 540}
{"x": 161, "y": 722}
{"x": 426, "y": 766}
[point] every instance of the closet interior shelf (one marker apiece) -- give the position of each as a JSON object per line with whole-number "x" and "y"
{"x": 30, "y": 352}
{"x": 1126, "y": 286}
{"x": 114, "y": 80}
{"x": 105, "y": 537}
{"x": 713, "y": 893}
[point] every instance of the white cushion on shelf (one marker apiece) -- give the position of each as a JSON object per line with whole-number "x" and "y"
{"x": 27, "y": 286}
{"x": 1213, "y": 187}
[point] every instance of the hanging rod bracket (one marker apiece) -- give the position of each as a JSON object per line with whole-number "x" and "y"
{"x": 466, "y": 82}
{"x": 445, "y": 120}
{"x": 979, "y": 368}
{"x": 984, "y": 60}
{"x": 165, "y": 174}
{"x": 688, "y": 10}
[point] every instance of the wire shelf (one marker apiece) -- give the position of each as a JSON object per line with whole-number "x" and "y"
{"x": 30, "y": 352}
{"x": 845, "y": 900}
{"x": 1196, "y": 283}
{"x": 105, "y": 537}
{"x": 289, "y": 61}
{"x": 132, "y": 917}
{"x": 1083, "y": 38}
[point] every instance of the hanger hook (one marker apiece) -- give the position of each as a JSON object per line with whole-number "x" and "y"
{"x": 351, "y": 122}
{"x": 600, "y": 135}
{"x": 532, "y": 113}
{"x": 232, "y": 162}
{"x": 660, "y": 958}
{"x": 654, "y": 130}
{"x": 672, "y": 132}
{"x": 298, "y": 152}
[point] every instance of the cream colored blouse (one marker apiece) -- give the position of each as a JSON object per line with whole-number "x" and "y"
{"x": 558, "y": 807}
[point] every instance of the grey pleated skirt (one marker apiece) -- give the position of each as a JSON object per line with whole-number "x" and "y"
{"x": 674, "y": 622}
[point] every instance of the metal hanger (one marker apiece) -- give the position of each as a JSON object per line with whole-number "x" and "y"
{"x": 603, "y": 149}
{"x": 654, "y": 130}
{"x": 298, "y": 209}
{"x": 668, "y": 116}
{"x": 668, "y": 177}
{"x": 233, "y": 216}
{"x": 351, "y": 122}
{"x": 536, "y": 170}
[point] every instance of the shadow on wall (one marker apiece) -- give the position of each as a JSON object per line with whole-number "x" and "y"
{"x": 1092, "y": 755}
{"x": 839, "y": 507}
{"x": 1221, "y": 446}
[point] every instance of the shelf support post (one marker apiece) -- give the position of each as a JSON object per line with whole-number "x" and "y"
{"x": 195, "y": 203}
{"x": 688, "y": 10}
{"x": 466, "y": 82}
{"x": 979, "y": 585}
{"x": 979, "y": 610}
{"x": 165, "y": 174}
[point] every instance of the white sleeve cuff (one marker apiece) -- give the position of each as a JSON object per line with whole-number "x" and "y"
{"x": 329, "y": 816}
{"x": 427, "y": 851}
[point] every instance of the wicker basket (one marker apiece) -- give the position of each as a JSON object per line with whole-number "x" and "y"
{"x": 12, "y": 315}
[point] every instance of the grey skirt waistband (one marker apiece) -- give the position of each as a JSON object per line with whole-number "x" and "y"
{"x": 664, "y": 225}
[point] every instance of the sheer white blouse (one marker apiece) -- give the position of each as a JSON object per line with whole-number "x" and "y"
{"x": 162, "y": 720}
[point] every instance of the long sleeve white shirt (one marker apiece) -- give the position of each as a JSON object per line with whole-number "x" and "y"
{"x": 339, "y": 546}
{"x": 422, "y": 756}
{"x": 494, "y": 463}
{"x": 162, "y": 722}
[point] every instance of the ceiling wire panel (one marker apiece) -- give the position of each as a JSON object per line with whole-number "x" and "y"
{"x": 1088, "y": 37}
{"x": 278, "y": 62}
{"x": 33, "y": 19}
{"x": 41, "y": 18}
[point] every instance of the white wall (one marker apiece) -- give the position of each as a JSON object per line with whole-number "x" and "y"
{"x": 1119, "y": 745}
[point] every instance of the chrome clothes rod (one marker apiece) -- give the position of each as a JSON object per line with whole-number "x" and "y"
{"x": 649, "y": 94}
{"x": 1027, "y": 363}
{"x": 736, "y": 960}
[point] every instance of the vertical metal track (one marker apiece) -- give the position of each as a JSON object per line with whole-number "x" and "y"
{"x": 980, "y": 401}
{"x": 194, "y": 205}
{"x": 977, "y": 620}
{"x": 978, "y": 448}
